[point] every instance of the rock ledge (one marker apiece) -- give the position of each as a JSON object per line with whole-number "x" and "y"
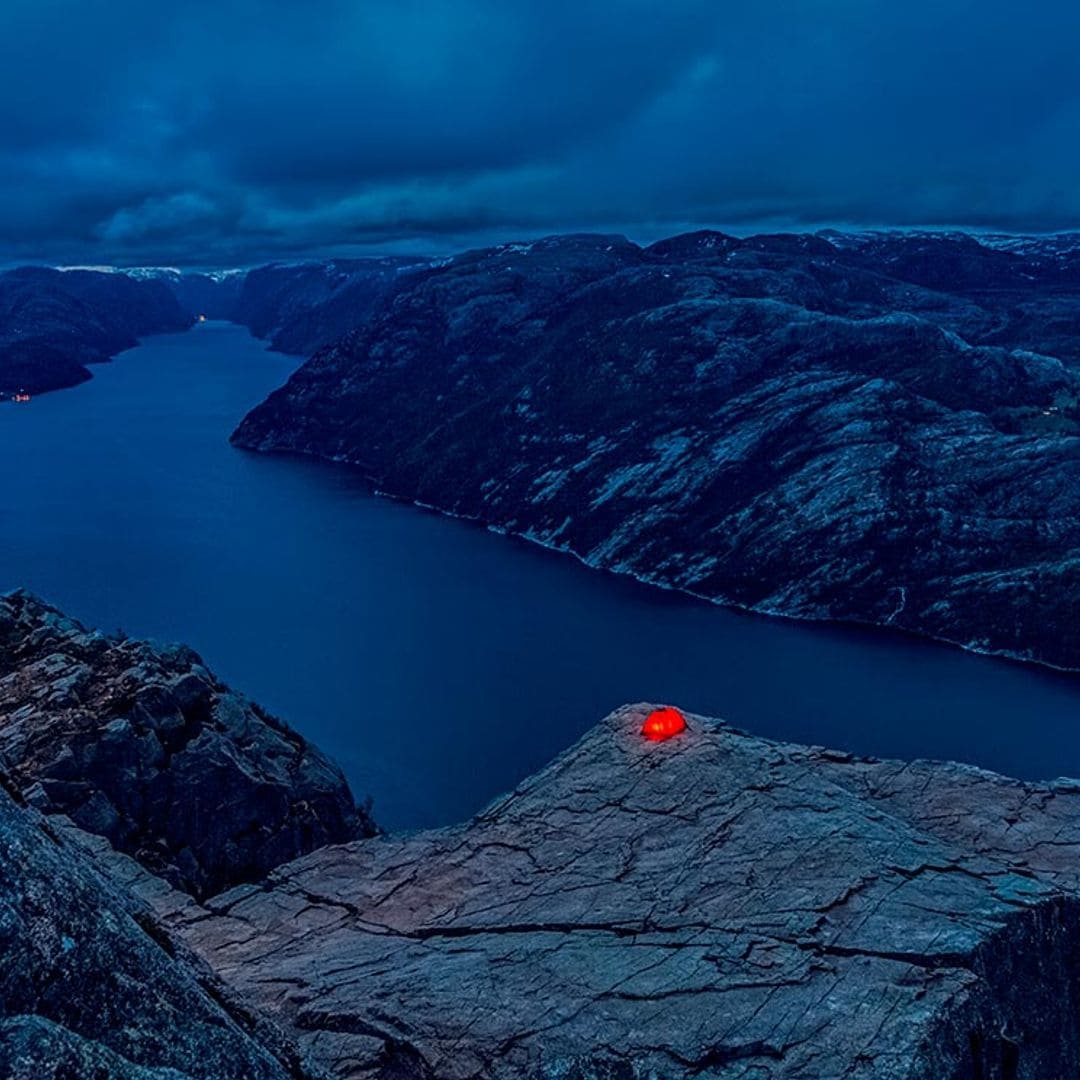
{"x": 712, "y": 906}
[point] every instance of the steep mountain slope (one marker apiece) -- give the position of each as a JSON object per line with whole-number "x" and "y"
{"x": 53, "y": 323}
{"x": 300, "y": 307}
{"x": 92, "y": 987}
{"x": 879, "y": 429}
{"x": 142, "y": 746}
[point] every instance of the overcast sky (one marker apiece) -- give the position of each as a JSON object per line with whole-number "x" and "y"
{"x": 135, "y": 131}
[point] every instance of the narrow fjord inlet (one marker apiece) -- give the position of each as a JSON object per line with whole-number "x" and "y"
{"x": 437, "y": 662}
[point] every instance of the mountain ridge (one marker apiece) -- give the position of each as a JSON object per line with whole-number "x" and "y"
{"x": 769, "y": 422}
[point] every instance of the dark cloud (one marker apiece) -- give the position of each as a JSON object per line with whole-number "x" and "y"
{"x": 245, "y": 129}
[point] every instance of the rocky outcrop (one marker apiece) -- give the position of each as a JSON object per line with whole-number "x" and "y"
{"x": 92, "y": 987}
{"x": 300, "y": 307}
{"x": 713, "y": 905}
{"x": 54, "y": 323}
{"x": 141, "y": 744}
{"x": 880, "y": 429}
{"x": 701, "y": 905}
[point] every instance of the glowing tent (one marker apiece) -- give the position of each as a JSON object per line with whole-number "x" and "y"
{"x": 661, "y": 724}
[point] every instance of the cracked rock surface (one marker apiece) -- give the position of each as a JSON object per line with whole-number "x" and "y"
{"x": 713, "y": 906}
{"x": 141, "y": 744}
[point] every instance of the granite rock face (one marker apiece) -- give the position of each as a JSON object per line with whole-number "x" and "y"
{"x": 92, "y": 988}
{"x": 712, "y": 906}
{"x": 144, "y": 746}
{"x": 53, "y": 323}
{"x": 879, "y": 428}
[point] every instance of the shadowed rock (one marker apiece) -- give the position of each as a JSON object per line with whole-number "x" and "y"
{"x": 713, "y": 906}
{"x": 141, "y": 744}
{"x": 301, "y": 306}
{"x": 91, "y": 987}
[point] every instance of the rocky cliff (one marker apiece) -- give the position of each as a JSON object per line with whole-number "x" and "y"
{"x": 712, "y": 906}
{"x": 144, "y": 748}
{"x": 54, "y": 323}
{"x": 141, "y": 744}
{"x": 880, "y": 428}
{"x": 706, "y": 905}
{"x": 300, "y": 307}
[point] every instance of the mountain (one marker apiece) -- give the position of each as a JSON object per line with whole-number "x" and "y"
{"x": 210, "y": 293}
{"x": 877, "y": 428}
{"x": 53, "y": 323}
{"x": 300, "y": 307}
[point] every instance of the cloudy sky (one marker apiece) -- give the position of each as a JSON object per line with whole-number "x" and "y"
{"x": 236, "y": 131}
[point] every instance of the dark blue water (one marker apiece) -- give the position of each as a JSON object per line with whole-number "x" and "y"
{"x": 439, "y": 663}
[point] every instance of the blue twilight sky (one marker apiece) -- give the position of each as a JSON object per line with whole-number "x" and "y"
{"x": 236, "y": 131}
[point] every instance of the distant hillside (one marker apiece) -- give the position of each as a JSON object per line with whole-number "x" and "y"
{"x": 209, "y": 293}
{"x": 54, "y": 323}
{"x": 298, "y": 307}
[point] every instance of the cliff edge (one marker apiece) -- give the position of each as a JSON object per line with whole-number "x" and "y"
{"x": 710, "y": 906}
{"x": 706, "y": 905}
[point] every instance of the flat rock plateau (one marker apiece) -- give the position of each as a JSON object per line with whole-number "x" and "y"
{"x": 878, "y": 428}
{"x": 712, "y": 906}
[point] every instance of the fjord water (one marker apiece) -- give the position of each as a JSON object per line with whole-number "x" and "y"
{"x": 437, "y": 662}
